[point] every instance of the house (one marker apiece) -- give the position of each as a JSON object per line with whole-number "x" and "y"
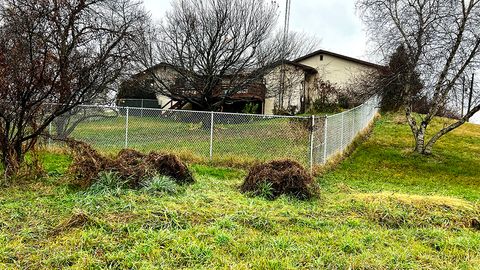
{"x": 289, "y": 85}
{"x": 320, "y": 66}
{"x": 165, "y": 78}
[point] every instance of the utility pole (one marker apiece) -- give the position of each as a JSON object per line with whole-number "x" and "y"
{"x": 284, "y": 52}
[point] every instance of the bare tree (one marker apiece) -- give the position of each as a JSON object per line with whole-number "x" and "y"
{"x": 442, "y": 43}
{"x": 214, "y": 49}
{"x": 295, "y": 45}
{"x": 55, "y": 55}
{"x": 64, "y": 125}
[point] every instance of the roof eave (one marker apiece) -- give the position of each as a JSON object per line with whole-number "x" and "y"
{"x": 348, "y": 58}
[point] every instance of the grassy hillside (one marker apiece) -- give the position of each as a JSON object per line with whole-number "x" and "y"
{"x": 381, "y": 208}
{"x": 386, "y": 162}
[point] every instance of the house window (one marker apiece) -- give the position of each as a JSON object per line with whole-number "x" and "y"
{"x": 321, "y": 57}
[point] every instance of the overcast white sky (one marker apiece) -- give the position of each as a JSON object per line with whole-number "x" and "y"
{"x": 334, "y": 22}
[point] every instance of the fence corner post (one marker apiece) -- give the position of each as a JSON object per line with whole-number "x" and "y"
{"x": 211, "y": 135}
{"x": 325, "y": 130}
{"x": 312, "y": 130}
{"x": 126, "y": 128}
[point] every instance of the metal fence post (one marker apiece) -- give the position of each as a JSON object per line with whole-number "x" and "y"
{"x": 211, "y": 135}
{"x": 50, "y": 135}
{"x": 341, "y": 133}
{"x": 325, "y": 140}
{"x": 312, "y": 130}
{"x": 126, "y": 128}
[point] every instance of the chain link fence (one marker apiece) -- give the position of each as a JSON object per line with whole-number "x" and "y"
{"x": 334, "y": 133}
{"x": 309, "y": 140}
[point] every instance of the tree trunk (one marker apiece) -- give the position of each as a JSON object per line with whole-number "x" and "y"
{"x": 428, "y": 147}
{"x": 12, "y": 157}
{"x": 420, "y": 139}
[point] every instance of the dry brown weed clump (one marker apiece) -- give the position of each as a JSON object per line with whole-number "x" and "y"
{"x": 283, "y": 177}
{"x": 77, "y": 220}
{"x": 130, "y": 165}
{"x": 87, "y": 163}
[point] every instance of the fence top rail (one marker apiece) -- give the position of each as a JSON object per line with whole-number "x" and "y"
{"x": 137, "y": 99}
{"x": 366, "y": 103}
{"x": 370, "y": 101}
{"x": 192, "y": 111}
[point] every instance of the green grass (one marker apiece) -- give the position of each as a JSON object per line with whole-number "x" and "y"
{"x": 382, "y": 208}
{"x": 386, "y": 163}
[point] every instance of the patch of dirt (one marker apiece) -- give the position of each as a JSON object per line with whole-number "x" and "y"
{"x": 475, "y": 224}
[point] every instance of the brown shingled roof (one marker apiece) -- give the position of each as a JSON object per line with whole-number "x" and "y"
{"x": 348, "y": 58}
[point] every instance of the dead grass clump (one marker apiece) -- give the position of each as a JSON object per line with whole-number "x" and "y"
{"x": 77, "y": 220}
{"x": 87, "y": 163}
{"x": 399, "y": 119}
{"x": 415, "y": 211}
{"x": 130, "y": 165}
{"x": 121, "y": 218}
{"x": 169, "y": 165}
{"x": 130, "y": 156}
{"x": 281, "y": 177}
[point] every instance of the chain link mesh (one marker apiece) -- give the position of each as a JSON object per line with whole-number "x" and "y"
{"x": 334, "y": 133}
{"x": 309, "y": 140}
{"x": 261, "y": 137}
